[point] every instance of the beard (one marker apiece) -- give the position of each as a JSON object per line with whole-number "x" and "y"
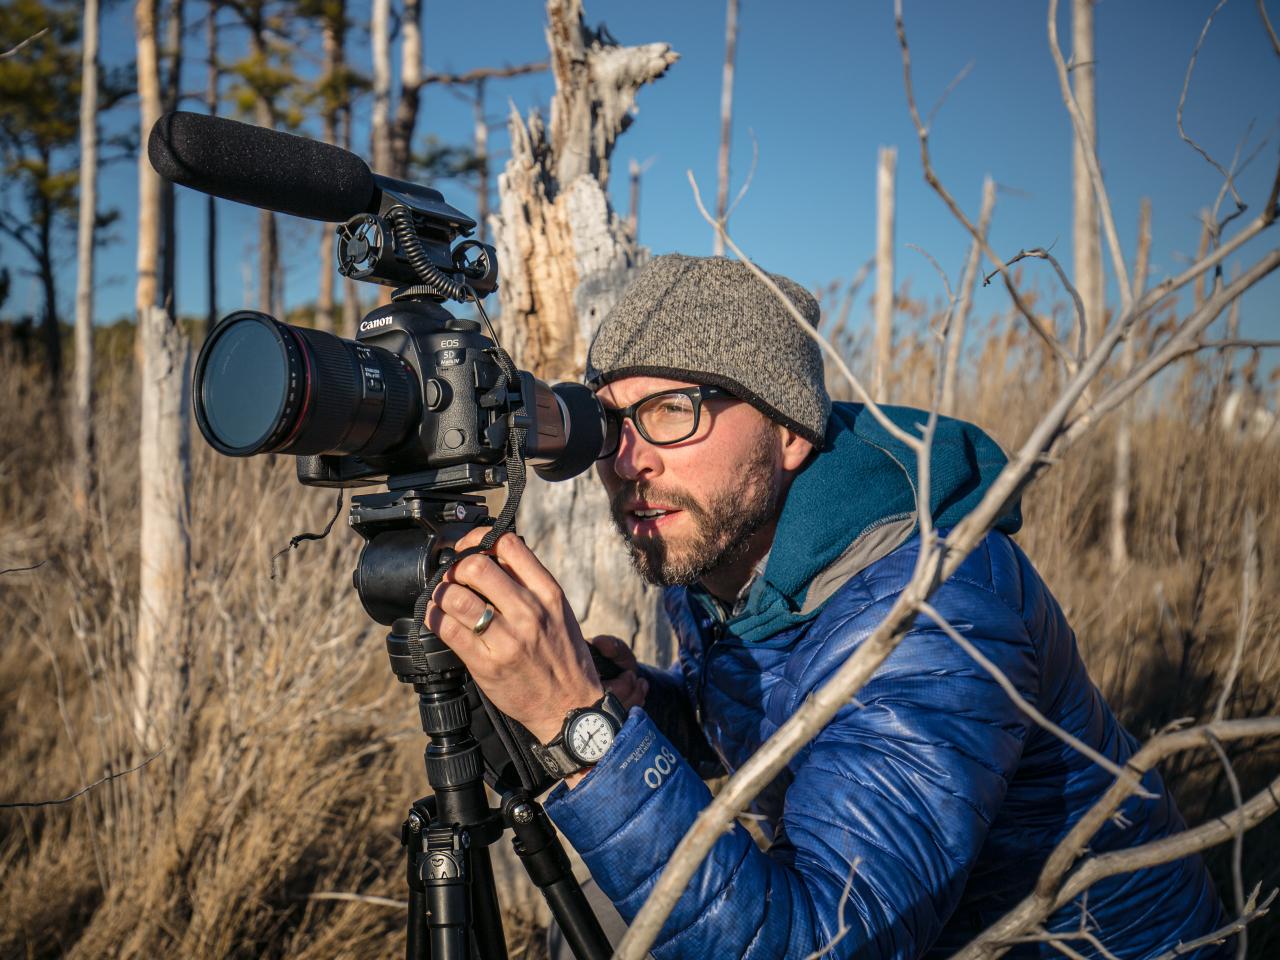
{"x": 723, "y": 527}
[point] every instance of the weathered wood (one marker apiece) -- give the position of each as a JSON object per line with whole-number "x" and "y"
{"x": 82, "y": 416}
{"x": 886, "y": 170}
{"x": 163, "y": 454}
{"x": 726, "y": 122}
{"x": 565, "y": 258}
{"x": 400, "y": 139}
{"x": 379, "y": 126}
{"x": 1087, "y": 240}
{"x": 959, "y": 319}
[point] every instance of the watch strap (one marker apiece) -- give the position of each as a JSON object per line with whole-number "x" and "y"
{"x": 555, "y": 756}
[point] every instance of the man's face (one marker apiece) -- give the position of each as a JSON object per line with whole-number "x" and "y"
{"x": 714, "y": 492}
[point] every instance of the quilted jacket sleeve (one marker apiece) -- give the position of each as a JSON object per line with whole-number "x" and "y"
{"x": 669, "y": 707}
{"x": 885, "y": 815}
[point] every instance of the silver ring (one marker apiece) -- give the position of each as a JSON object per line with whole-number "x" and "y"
{"x": 486, "y": 618}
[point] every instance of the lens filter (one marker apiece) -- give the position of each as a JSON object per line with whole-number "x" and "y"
{"x": 247, "y": 384}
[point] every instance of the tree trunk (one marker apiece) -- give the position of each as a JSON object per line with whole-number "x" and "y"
{"x": 264, "y": 114}
{"x": 172, "y": 94}
{"x": 481, "y": 151}
{"x": 972, "y": 267}
{"x": 726, "y": 123}
{"x": 50, "y": 327}
{"x": 333, "y": 44}
{"x": 1087, "y": 242}
{"x": 163, "y": 444}
{"x": 211, "y": 203}
{"x": 379, "y": 130}
{"x": 82, "y": 416}
{"x": 406, "y": 121}
{"x": 350, "y": 288}
{"x": 885, "y": 172}
{"x": 565, "y": 257}
{"x": 1121, "y": 487}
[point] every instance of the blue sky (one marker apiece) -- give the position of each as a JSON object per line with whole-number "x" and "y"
{"x": 819, "y": 86}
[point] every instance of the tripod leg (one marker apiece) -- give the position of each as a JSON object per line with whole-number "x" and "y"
{"x": 445, "y": 876}
{"x": 544, "y": 858}
{"x": 486, "y": 916}
{"x": 417, "y": 943}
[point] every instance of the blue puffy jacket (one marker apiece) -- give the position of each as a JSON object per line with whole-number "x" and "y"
{"x": 925, "y": 809}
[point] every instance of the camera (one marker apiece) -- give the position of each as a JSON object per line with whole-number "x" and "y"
{"x": 420, "y": 399}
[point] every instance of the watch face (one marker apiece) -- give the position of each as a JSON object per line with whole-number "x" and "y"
{"x": 589, "y": 737}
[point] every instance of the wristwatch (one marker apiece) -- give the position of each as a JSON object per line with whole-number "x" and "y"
{"x": 587, "y": 733}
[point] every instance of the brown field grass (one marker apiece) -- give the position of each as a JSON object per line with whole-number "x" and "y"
{"x": 294, "y": 754}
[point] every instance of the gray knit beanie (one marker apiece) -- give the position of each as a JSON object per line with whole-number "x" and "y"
{"x": 710, "y": 320}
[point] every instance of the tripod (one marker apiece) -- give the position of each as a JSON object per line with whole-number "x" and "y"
{"x": 453, "y": 902}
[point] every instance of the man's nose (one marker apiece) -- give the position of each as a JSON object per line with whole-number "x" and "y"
{"x": 636, "y": 458}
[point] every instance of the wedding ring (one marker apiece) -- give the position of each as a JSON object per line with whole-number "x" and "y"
{"x": 486, "y": 618}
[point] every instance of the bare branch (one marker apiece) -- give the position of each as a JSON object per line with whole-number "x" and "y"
{"x": 1051, "y": 892}
{"x": 1237, "y": 842}
{"x": 34, "y": 566}
{"x": 1182, "y": 102}
{"x": 25, "y": 804}
{"x": 973, "y": 265}
{"x": 472, "y": 77}
{"x": 931, "y": 177}
{"x": 1248, "y": 588}
{"x": 751, "y": 173}
{"x": 1090, "y": 153}
{"x": 1271, "y": 31}
{"x": 942, "y": 98}
{"x": 358, "y": 898}
{"x": 25, "y": 43}
{"x": 1019, "y": 701}
{"x": 1217, "y": 936}
{"x": 1040, "y": 253}
{"x": 843, "y": 927}
{"x": 1183, "y": 342}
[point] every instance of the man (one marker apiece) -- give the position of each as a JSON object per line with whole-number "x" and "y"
{"x": 783, "y": 530}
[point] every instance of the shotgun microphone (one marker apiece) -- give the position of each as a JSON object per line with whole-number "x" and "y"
{"x": 263, "y": 168}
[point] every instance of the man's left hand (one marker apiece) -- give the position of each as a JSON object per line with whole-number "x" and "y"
{"x": 531, "y": 661}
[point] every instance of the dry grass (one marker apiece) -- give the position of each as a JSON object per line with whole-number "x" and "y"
{"x": 294, "y": 753}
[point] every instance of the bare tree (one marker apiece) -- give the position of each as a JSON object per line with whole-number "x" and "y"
{"x": 1086, "y": 244}
{"x": 566, "y": 256}
{"x": 1069, "y": 418}
{"x": 82, "y": 418}
{"x": 1122, "y": 483}
{"x": 472, "y": 85}
{"x": 884, "y": 296}
{"x": 333, "y": 97}
{"x": 972, "y": 268}
{"x": 379, "y": 123}
{"x": 172, "y": 93}
{"x": 163, "y": 444}
{"x": 726, "y": 122}
{"x": 212, "y": 74}
{"x": 400, "y": 134}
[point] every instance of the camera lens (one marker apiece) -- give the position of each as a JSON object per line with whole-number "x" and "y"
{"x": 262, "y": 386}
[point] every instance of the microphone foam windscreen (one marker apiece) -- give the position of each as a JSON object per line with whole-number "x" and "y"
{"x": 263, "y": 168}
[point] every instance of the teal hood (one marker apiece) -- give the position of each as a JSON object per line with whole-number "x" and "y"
{"x": 854, "y": 503}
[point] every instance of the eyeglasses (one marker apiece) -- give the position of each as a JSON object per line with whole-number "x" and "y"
{"x": 662, "y": 418}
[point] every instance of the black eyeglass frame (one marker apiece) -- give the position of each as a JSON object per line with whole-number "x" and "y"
{"x": 613, "y": 418}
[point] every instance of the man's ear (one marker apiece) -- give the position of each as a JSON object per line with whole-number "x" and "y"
{"x": 795, "y": 449}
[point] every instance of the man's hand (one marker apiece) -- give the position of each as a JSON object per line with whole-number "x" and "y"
{"x": 531, "y": 661}
{"x": 628, "y": 686}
